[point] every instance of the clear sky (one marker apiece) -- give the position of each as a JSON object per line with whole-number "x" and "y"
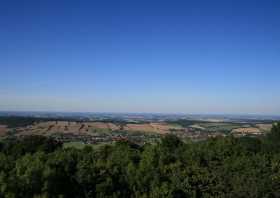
{"x": 140, "y": 56}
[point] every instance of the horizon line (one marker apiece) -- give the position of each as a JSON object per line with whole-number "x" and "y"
{"x": 115, "y": 112}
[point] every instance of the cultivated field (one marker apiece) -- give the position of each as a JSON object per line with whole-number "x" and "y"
{"x": 53, "y": 127}
{"x": 247, "y": 131}
{"x": 3, "y": 130}
{"x": 264, "y": 127}
{"x": 108, "y": 131}
{"x": 161, "y": 128}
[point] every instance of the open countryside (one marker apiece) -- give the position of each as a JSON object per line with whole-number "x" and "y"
{"x": 139, "y": 130}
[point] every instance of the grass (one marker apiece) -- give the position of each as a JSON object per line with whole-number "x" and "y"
{"x": 81, "y": 145}
{"x": 219, "y": 127}
{"x": 78, "y": 145}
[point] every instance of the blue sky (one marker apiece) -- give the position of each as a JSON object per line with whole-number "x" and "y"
{"x": 140, "y": 56}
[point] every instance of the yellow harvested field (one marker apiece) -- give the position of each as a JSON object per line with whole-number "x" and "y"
{"x": 52, "y": 127}
{"x": 139, "y": 127}
{"x": 249, "y": 130}
{"x": 264, "y": 127}
{"x": 102, "y": 125}
{"x": 161, "y": 128}
{"x": 113, "y": 126}
{"x": 165, "y": 127}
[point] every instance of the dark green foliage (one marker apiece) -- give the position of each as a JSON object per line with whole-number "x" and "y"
{"x": 29, "y": 144}
{"x": 121, "y": 122}
{"x": 274, "y": 136}
{"x": 22, "y": 121}
{"x": 273, "y": 139}
{"x": 219, "y": 167}
{"x": 17, "y": 121}
{"x": 186, "y": 123}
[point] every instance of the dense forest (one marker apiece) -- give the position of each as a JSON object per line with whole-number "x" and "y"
{"x": 21, "y": 121}
{"x": 37, "y": 166}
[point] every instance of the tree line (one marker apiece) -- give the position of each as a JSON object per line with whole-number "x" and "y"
{"x": 23, "y": 121}
{"x": 38, "y": 166}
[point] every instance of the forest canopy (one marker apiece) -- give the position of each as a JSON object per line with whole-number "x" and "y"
{"x": 37, "y": 166}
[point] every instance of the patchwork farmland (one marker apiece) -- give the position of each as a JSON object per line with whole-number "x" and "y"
{"x": 144, "y": 131}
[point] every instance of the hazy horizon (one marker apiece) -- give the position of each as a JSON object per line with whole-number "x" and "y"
{"x": 187, "y": 57}
{"x": 39, "y": 112}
